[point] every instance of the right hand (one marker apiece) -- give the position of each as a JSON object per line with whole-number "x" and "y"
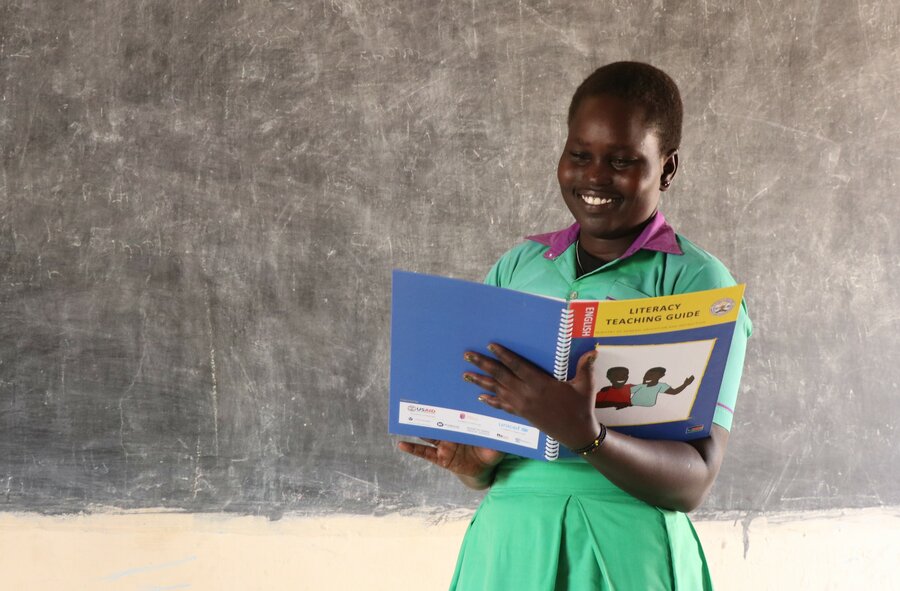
{"x": 462, "y": 460}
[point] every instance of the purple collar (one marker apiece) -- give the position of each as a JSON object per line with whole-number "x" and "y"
{"x": 658, "y": 235}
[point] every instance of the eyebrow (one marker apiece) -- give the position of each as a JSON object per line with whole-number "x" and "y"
{"x": 612, "y": 147}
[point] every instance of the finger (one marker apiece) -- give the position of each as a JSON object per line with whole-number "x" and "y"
{"x": 426, "y": 452}
{"x": 415, "y": 449}
{"x": 494, "y": 368}
{"x": 482, "y": 381}
{"x": 514, "y": 363}
{"x": 507, "y": 357}
{"x": 489, "y": 400}
{"x": 497, "y": 402}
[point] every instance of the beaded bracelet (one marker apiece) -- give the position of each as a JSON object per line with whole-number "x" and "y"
{"x": 593, "y": 445}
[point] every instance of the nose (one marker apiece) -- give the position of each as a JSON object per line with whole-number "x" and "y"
{"x": 598, "y": 172}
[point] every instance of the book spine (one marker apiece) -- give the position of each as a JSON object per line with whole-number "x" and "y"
{"x": 561, "y": 368}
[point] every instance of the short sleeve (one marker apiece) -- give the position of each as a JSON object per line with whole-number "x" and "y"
{"x": 493, "y": 276}
{"x": 734, "y": 367}
{"x": 712, "y": 274}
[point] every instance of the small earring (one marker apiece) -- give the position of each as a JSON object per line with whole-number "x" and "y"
{"x": 665, "y": 184}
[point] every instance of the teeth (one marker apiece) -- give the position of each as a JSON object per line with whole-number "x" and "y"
{"x": 591, "y": 200}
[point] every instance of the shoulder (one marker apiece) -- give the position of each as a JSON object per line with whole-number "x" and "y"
{"x": 525, "y": 255}
{"x": 696, "y": 269}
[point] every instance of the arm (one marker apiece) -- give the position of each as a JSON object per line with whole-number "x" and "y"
{"x": 669, "y": 474}
{"x": 680, "y": 388}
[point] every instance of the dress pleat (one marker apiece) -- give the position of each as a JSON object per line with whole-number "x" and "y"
{"x": 562, "y": 526}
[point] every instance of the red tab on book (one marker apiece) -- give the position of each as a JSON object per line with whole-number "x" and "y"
{"x": 584, "y": 318}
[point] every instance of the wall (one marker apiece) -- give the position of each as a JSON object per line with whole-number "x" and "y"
{"x": 201, "y": 202}
{"x": 826, "y": 551}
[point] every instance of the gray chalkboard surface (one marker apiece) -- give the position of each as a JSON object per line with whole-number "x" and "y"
{"x": 201, "y": 203}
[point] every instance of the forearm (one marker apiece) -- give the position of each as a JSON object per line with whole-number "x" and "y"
{"x": 668, "y": 474}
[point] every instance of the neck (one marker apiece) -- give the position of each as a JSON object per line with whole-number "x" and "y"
{"x": 609, "y": 249}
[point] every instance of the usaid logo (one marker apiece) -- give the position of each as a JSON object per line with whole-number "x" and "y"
{"x": 420, "y": 409}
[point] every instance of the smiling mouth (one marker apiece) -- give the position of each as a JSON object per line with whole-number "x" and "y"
{"x": 594, "y": 199}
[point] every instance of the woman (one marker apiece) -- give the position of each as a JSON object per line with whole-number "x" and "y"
{"x": 615, "y": 517}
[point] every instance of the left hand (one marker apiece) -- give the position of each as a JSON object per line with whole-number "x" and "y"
{"x": 562, "y": 410}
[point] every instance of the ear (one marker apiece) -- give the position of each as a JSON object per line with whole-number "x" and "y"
{"x": 670, "y": 167}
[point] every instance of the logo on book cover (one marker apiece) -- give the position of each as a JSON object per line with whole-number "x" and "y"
{"x": 722, "y": 307}
{"x": 694, "y": 429}
{"x": 421, "y": 409}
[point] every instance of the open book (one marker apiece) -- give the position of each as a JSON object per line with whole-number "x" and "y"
{"x": 657, "y": 374}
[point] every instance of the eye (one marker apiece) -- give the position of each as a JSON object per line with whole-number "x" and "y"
{"x": 621, "y": 163}
{"x": 580, "y": 156}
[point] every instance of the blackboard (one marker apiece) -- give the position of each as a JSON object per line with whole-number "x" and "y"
{"x": 202, "y": 202}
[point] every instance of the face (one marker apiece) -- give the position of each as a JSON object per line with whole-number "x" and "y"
{"x": 611, "y": 171}
{"x": 617, "y": 375}
{"x": 651, "y": 378}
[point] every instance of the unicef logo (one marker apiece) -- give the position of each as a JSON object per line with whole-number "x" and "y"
{"x": 722, "y": 307}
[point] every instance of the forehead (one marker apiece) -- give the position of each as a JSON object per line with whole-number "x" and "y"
{"x": 613, "y": 121}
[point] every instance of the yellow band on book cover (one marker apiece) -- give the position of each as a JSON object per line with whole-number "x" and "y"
{"x": 669, "y": 313}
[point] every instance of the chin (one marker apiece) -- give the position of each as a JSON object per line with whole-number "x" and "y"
{"x": 606, "y": 233}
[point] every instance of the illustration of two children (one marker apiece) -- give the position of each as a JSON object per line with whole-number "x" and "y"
{"x": 620, "y": 394}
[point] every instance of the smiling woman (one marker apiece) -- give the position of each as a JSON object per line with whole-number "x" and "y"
{"x": 613, "y": 518}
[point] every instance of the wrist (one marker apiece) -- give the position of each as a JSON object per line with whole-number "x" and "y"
{"x": 580, "y": 432}
{"x": 481, "y": 481}
{"x": 594, "y": 445}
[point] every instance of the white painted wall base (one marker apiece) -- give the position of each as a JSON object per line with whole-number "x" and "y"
{"x": 153, "y": 551}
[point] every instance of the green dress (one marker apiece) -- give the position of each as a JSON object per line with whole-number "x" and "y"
{"x": 562, "y": 526}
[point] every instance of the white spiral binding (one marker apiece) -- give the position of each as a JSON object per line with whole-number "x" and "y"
{"x": 561, "y": 368}
{"x": 563, "y": 345}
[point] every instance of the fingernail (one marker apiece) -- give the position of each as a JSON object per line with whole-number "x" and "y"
{"x": 483, "y": 398}
{"x": 492, "y": 348}
{"x": 469, "y": 357}
{"x": 468, "y": 378}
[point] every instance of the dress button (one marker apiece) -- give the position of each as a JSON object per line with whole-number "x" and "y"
{"x": 573, "y": 295}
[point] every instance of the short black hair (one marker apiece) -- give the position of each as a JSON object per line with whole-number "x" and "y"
{"x": 659, "y": 370}
{"x": 646, "y": 86}
{"x": 612, "y": 369}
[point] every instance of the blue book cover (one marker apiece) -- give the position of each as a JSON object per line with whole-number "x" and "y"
{"x": 657, "y": 374}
